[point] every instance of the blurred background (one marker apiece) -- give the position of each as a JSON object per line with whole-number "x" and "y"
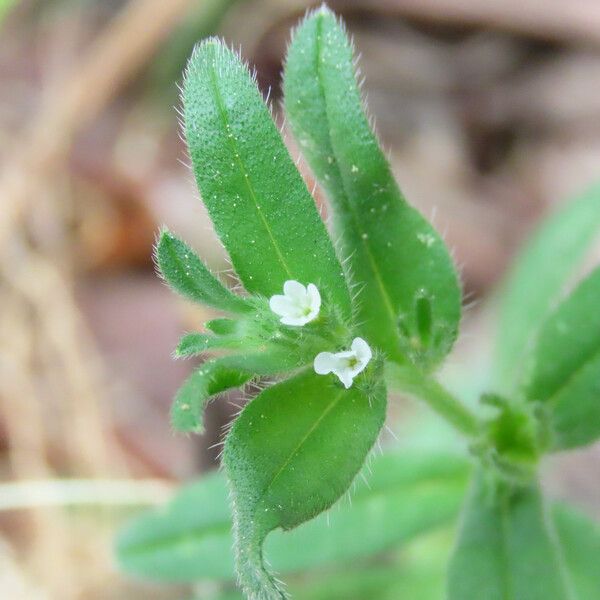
{"x": 490, "y": 112}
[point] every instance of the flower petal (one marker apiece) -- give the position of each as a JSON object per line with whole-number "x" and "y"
{"x": 282, "y": 306}
{"x": 293, "y": 320}
{"x": 294, "y": 290}
{"x": 345, "y": 377}
{"x": 325, "y": 362}
{"x": 362, "y": 349}
{"x": 315, "y": 297}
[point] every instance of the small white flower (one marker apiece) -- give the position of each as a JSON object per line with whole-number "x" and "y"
{"x": 298, "y": 305}
{"x": 346, "y": 365}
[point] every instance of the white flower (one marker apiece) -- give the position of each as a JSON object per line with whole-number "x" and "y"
{"x": 346, "y": 365}
{"x": 298, "y": 305}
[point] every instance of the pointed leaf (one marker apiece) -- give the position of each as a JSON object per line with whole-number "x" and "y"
{"x": 537, "y": 280}
{"x": 256, "y": 198}
{"x": 292, "y": 452}
{"x": 506, "y": 549}
{"x": 566, "y": 370}
{"x": 395, "y": 257}
{"x": 188, "y": 276}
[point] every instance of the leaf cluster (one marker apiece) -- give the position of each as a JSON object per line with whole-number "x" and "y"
{"x": 296, "y": 448}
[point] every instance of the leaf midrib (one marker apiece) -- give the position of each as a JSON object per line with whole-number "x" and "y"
{"x": 242, "y": 167}
{"x": 371, "y": 260}
{"x": 555, "y": 545}
{"x": 552, "y": 398}
{"x": 296, "y": 450}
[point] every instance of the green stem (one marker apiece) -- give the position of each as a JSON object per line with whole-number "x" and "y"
{"x": 409, "y": 379}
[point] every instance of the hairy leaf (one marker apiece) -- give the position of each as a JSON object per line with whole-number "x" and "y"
{"x": 220, "y": 375}
{"x": 537, "y": 279}
{"x": 404, "y": 494}
{"x": 188, "y": 276}
{"x": 192, "y": 344}
{"x": 397, "y": 260}
{"x": 566, "y": 370}
{"x": 240, "y": 333}
{"x": 256, "y": 198}
{"x": 292, "y": 452}
{"x": 506, "y": 549}
{"x": 199, "y": 388}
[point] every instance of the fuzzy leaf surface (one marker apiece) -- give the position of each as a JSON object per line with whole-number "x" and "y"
{"x": 566, "y": 371}
{"x": 406, "y": 494}
{"x": 506, "y": 549}
{"x": 395, "y": 257}
{"x": 291, "y": 453}
{"x": 260, "y": 207}
{"x": 187, "y": 275}
{"x": 221, "y": 375}
{"x": 540, "y": 273}
{"x": 193, "y": 344}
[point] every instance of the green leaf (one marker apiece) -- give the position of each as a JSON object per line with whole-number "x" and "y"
{"x": 580, "y": 541}
{"x": 404, "y": 494}
{"x": 506, "y": 548}
{"x": 292, "y": 452}
{"x": 212, "y": 378}
{"x": 242, "y": 334}
{"x": 397, "y": 260}
{"x": 222, "y": 326}
{"x": 256, "y": 198}
{"x": 396, "y": 581}
{"x": 566, "y": 369}
{"x": 537, "y": 280}
{"x": 192, "y": 344}
{"x": 223, "y": 374}
{"x": 188, "y": 276}
{"x": 187, "y": 540}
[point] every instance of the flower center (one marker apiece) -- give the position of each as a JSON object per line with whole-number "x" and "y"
{"x": 352, "y": 362}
